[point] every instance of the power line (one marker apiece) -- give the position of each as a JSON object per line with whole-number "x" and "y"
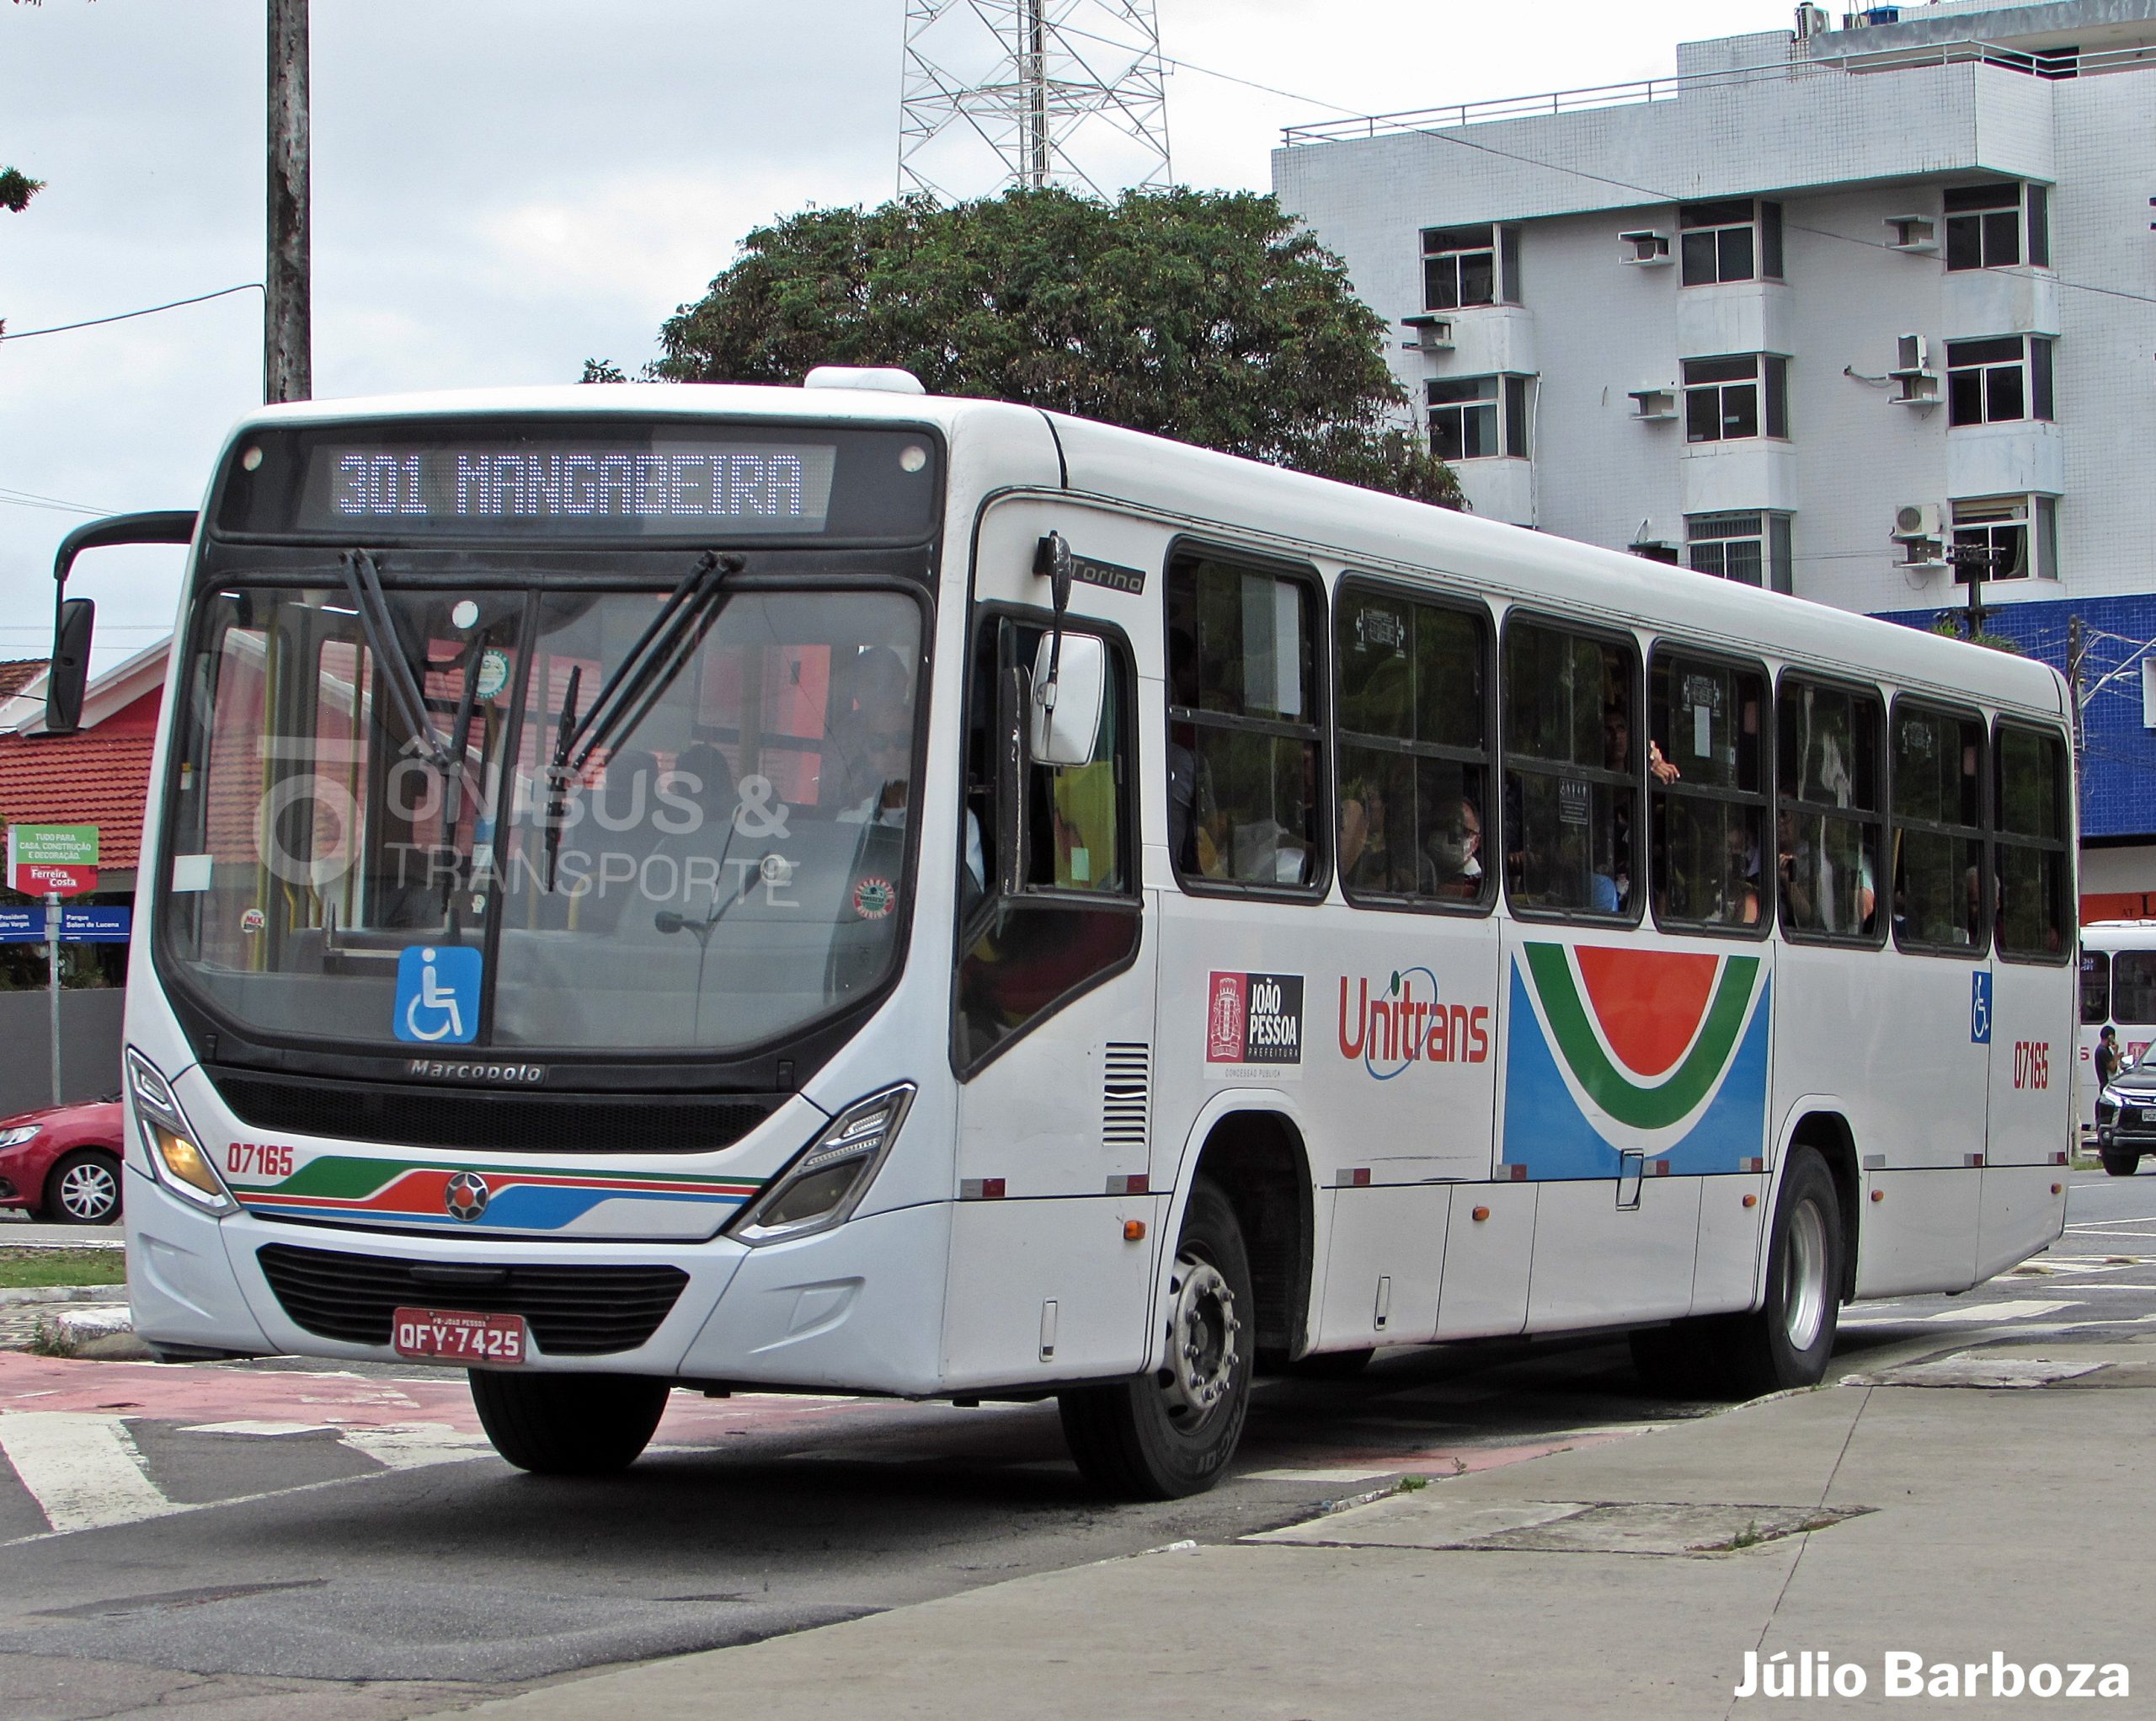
{"x": 31, "y": 499}
{"x": 245, "y": 286}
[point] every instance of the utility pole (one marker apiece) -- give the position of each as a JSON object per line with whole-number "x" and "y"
{"x": 287, "y": 335}
{"x": 2073, "y": 652}
{"x": 1976, "y": 558}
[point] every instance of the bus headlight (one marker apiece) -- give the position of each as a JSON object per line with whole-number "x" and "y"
{"x": 826, "y": 1180}
{"x": 175, "y": 1156}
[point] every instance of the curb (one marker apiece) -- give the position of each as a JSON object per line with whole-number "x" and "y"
{"x": 60, "y": 1293}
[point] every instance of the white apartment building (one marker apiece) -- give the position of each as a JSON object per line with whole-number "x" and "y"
{"x": 1843, "y": 311}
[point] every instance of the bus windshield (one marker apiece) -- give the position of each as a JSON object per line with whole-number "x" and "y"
{"x": 726, "y": 867}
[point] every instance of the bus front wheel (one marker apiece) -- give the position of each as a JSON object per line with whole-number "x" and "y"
{"x": 567, "y": 1424}
{"x": 1171, "y": 1433}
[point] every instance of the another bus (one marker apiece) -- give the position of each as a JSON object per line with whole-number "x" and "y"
{"x": 2118, "y": 992}
{"x": 836, "y": 889}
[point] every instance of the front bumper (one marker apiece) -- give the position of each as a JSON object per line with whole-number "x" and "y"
{"x": 856, "y": 1308}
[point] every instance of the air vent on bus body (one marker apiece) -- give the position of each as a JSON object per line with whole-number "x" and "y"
{"x": 1126, "y": 1096}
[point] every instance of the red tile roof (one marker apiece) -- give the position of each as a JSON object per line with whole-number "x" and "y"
{"x": 100, "y": 777}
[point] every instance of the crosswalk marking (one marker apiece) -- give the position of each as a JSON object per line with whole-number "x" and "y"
{"x": 84, "y": 1470}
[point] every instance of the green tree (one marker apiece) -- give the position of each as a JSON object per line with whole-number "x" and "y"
{"x": 1212, "y": 317}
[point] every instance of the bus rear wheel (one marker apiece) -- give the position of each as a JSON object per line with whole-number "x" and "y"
{"x": 1171, "y": 1433}
{"x": 567, "y": 1424}
{"x": 1788, "y": 1339}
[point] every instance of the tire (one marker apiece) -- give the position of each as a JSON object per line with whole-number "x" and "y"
{"x": 83, "y": 1189}
{"x": 2120, "y": 1164}
{"x": 1171, "y": 1433}
{"x": 1787, "y": 1341}
{"x": 567, "y": 1424}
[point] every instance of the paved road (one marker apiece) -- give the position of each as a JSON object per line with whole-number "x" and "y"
{"x": 223, "y": 1534}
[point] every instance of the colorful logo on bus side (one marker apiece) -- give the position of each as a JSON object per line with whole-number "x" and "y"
{"x": 338, "y": 1190}
{"x": 1657, "y": 1052}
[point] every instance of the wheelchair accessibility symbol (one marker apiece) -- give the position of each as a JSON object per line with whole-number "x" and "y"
{"x": 437, "y": 994}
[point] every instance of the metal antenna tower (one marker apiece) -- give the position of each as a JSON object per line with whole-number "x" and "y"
{"x": 1032, "y": 93}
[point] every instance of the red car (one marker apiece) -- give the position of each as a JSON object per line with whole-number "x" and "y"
{"x": 63, "y": 1163}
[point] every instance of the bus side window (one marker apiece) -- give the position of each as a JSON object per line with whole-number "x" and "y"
{"x": 1573, "y": 773}
{"x": 2033, "y": 881}
{"x": 2095, "y": 988}
{"x": 1706, "y": 778}
{"x": 1938, "y": 831}
{"x": 1828, "y": 818}
{"x": 1412, "y": 712}
{"x": 1245, "y": 778}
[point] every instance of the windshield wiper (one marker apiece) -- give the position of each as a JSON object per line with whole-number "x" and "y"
{"x": 638, "y": 682}
{"x": 363, "y": 579}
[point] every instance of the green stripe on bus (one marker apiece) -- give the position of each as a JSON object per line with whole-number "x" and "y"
{"x": 1624, "y": 1099}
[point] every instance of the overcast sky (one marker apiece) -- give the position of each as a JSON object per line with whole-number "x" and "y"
{"x": 503, "y": 188}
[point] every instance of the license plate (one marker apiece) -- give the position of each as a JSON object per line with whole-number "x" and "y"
{"x": 454, "y": 1335}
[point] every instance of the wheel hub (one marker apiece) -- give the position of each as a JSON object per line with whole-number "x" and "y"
{"x": 1202, "y": 1352}
{"x": 1804, "y": 1277}
{"x": 87, "y": 1191}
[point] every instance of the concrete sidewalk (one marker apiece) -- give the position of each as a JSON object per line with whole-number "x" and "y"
{"x": 1905, "y": 1509}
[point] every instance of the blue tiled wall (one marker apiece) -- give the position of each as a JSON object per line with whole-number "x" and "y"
{"x": 2118, "y": 777}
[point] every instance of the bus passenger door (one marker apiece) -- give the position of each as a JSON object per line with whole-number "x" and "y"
{"x": 1052, "y": 1033}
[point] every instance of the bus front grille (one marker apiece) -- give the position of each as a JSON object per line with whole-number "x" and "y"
{"x": 529, "y": 1123}
{"x": 572, "y": 1311}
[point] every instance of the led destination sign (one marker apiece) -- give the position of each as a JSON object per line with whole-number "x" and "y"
{"x": 568, "y": 479}
{"x": 729, "y": 487}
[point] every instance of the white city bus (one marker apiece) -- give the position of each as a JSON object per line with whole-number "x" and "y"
{"x": 838, "y": 890}
{"x": 2118, "y": 992}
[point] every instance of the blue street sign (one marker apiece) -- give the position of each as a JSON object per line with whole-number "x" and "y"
{"x": 437, "y": 994}
{"x": 95, "y": 925}
{"x": 77, "y": 925}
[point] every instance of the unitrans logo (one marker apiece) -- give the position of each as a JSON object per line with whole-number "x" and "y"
{"x": 1407, "y": 1023}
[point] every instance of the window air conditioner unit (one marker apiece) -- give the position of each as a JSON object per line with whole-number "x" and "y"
{"x": 1917, "y": 522}
{"x": 1917, "y": 234}
{"x": 1648, "y": 248}
{"x": 1429, "y": 334}
{"x": 1912, "y": 356}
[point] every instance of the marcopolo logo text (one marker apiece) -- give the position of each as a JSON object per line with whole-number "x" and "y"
{"x": 436, "y": 1070}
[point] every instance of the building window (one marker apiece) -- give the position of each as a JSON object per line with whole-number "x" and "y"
{"x": 1723, "y": 396}
{"x": 1985, "y": 223}
{"x": 1736, "y": 239}
{"x": 1999, "y": 380}
{"x": 1752, "y": 549}
{"x": 1991, "y": 537}
{"x": 1474, "y": 418}
{"x": 1472, "y": 265}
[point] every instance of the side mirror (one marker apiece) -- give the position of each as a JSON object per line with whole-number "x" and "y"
{"x": 71, "y": 666}
{"x": 73, "y": 617}
{"x": 1063, "y": 732}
